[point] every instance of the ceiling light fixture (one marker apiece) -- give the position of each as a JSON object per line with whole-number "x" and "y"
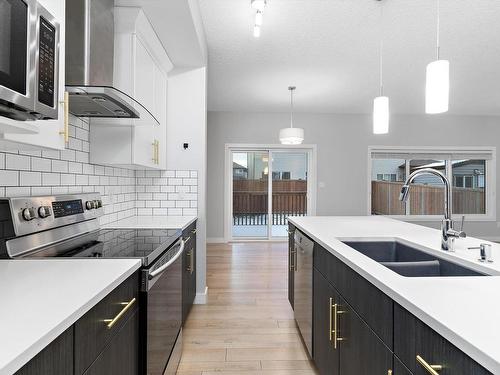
{"x": 437, "y": 86}
{"x": 291, "y": 135}
{"x": 381, "y": 103}
{"x": 256, "y": 31}
{"x": 258, "y": 18}
{"x": 259, "y": 6}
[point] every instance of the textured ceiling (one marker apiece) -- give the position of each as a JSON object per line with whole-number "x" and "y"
{"x": 329, "y": 50}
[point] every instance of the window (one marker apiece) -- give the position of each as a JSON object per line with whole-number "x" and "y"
{"x": 469, "y": 171}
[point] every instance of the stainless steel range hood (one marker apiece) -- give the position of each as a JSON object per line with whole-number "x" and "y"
{"x": 90, "y": 62}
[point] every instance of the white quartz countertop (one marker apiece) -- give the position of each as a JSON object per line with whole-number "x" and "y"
{"x": 464, "y": 310}
{"x": 40, "y": 299}
{"x": 152, "y": 222}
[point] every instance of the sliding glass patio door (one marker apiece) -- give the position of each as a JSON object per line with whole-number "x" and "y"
{"x": 267, "y": 187}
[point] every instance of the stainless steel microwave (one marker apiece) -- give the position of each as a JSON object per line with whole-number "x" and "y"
{"x": 29, "y": 61}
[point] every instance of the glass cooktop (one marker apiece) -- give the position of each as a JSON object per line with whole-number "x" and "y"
{"x": 146, "y": 244}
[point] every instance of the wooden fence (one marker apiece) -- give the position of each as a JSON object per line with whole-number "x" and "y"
{"x": 250, "y": 201}
{"x": 424, "y": 199}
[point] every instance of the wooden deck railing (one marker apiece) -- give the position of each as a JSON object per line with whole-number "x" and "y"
{"x": 250, "y": 201}
{"x": 424, "y": 199}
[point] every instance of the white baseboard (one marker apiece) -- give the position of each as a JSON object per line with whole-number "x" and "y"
{"x": 216, "y": 240}
{"x": 201, "y": 298}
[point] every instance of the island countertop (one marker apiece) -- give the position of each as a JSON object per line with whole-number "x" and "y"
{"x": 42, "y": 298}
{"x": 448, "y": 305}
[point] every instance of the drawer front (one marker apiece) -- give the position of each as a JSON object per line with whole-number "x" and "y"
{"x": 92, "y": 332}
{"x": 417, "y": 339}
{"x": 369, "y": 302}
{"x": 121, "y": 355}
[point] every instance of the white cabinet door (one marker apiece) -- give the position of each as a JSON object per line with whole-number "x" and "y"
{"x": 161, "y": 110}
{"x": 49, "y": 136}
{"x": 144, "y": 76}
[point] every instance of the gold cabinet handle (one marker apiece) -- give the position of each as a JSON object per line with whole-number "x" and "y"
{"x": 292, "y": 257}
{"x": 389, "y": 372}
{"x": 330, "y": 309}
{"x": 65, "y": 131}
{"x": 157, "y": 152}
{"x": 431, "y": 369}
{"x": 154, "y": 151}
{"x": 193, "y": 231}
{"x": 191, "y": 261}
{"x": 336, "y": 313}
{"x": 112, "y": 322}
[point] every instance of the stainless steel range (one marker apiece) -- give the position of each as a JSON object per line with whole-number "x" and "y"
{"x": 68, "y": 226}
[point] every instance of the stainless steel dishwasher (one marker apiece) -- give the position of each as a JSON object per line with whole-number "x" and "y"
{"x": 303, "y": 291}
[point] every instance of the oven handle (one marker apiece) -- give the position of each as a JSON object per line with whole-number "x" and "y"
{"x": 156, "y": 272}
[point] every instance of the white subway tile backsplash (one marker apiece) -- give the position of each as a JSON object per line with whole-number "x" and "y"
{"x": 59, "y": 166}
{"x": 125, "y": 192}
{"x": 17, "y": 162}
{"x": 50, "y": 179}
{"x": 41, "y": 165}
{"x": 9, "y": 178}
{"x": 30, "y": 178}
{"x": 17, "y": 191}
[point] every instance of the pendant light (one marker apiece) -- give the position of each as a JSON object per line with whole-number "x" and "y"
{"x": 437, "y": 85}
{"x": 381, "y": 103}
{"x": 259, "y": 6}
{"x": 291, "y": 135}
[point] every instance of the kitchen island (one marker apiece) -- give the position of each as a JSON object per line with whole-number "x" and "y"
{"x": 462, "y": 309}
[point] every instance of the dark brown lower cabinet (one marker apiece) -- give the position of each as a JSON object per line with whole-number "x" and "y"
{"x": 418, "y": 339}
{"x": 121, "y": 356}
{"x": 189, "y": 271}
{"x": 291, "y": 249}
{"x": 55, "y": 359}
{"x": 399, "y": 368}
{"x": 361, "y": 351}
{"x": 325, "y": 355}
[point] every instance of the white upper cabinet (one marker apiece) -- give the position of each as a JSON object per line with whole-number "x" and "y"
{"x": 140, "y": 70}
{"x": 44, "y": 134}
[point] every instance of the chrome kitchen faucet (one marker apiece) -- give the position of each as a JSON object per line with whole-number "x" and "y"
{"x": 448, "y": 233}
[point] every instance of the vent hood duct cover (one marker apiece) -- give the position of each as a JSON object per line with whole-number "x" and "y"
{"x": 89, "y": 64}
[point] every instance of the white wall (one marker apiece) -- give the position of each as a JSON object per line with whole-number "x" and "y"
{"x": 342, "y": 142}
{"x": 187, "y": 123}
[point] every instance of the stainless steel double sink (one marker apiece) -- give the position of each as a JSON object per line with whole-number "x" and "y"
{"x": 409, "y": 261}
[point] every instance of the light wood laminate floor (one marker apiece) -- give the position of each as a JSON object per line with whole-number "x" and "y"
{"x": 247, "y": 326}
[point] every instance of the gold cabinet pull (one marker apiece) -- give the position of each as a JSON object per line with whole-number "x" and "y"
{"x": 389, "y": 372}
{"x": 65, "y": 131}
{"x": 154, "y": 151}
{"x": 431, "y": 369}
{"x": 112, "y": 322}
{"x": 193, "y": 231}
{"x": 191, "y": 261}
{"x": 157, "y": 152}
{"x": 330, "y": 309}
{"x": 336, "y": 314}
{"x": 292, "y": 257}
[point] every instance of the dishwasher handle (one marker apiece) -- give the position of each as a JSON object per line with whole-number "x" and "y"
{"x": 158, "y": 271}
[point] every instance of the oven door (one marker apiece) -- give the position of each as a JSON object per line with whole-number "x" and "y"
{"x": 162, "y": 318}
{"x": 17, "y": 58}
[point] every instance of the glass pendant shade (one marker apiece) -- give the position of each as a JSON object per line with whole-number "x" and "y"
{"x": 259, "y": 4}
{"x": 437, "y": 87}
{"x": 381, "y": 115}
{"x": 256, "y": 31}
{"x": 291, "y": 136}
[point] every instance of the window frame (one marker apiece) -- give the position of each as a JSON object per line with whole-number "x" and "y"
{"x": 490, "y": 180}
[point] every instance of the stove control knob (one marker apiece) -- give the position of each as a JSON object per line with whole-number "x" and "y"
{"x": 28, "y": 214}
{"x": 89, "y": 205}
{"x": 44, "y": 211}
{"x": 99, "y": 203}
{"x": 96, "y": 204}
